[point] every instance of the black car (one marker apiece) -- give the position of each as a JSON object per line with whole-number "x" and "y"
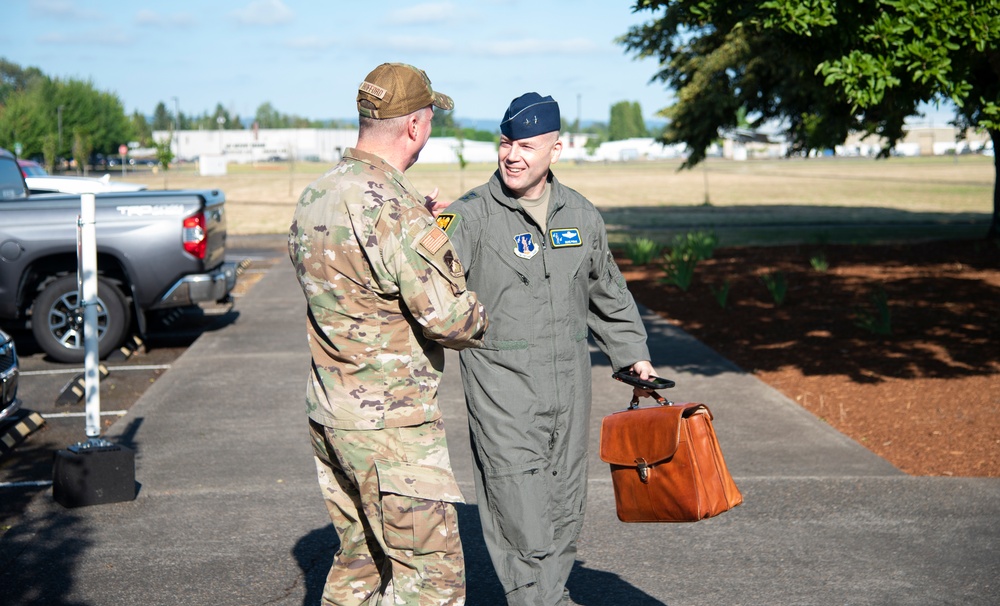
{"x": 9, "y": 404}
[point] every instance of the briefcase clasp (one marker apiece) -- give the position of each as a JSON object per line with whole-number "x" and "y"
{"x": 643, "y": 469}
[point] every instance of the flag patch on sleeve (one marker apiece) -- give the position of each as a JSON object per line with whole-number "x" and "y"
{"x": 434, "y": 240}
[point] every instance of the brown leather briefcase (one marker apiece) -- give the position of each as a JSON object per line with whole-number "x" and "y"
{"x": 666, "y": 465}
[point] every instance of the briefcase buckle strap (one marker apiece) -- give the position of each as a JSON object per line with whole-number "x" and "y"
{"x": 659, "y": 400}
{"x": 643, "y": 469}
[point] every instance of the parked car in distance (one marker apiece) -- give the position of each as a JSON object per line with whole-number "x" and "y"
{"x": 9, "y": 404}
{"x": 50, "y": 184}
{"x": 30, "y": 168}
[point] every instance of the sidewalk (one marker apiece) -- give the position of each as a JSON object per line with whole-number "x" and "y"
{"x": 229, "y": 512}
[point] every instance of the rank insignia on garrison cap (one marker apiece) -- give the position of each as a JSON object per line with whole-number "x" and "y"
{"x": 529, "y": 115}
{"x": 565, "y": 237}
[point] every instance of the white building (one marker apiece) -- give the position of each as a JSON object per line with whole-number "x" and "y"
{"x": 305, "y": 144}
{"x": 327, "y": 145}
{"x": 261, "y": 145}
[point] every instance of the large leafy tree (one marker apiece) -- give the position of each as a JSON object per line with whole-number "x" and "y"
{"x": 14, "y": 78}
{"x": 46, "y": 116}
{"x": 822, "y": 68}
{"x": 626, "y": 121}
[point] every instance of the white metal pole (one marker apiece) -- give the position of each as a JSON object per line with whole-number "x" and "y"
{"x": 88, "y": 299}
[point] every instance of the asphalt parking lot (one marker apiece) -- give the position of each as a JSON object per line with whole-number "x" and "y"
{"x": 228, "y": 511}
{"x": 44, "y": 387}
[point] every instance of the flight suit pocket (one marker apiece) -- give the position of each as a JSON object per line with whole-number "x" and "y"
{"x": 417, "y": 510}
{"x": 522, "y": 505}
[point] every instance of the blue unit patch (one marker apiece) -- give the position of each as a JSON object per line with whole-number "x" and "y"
{"x": 567, "y": 236}
{"x": 524, "y": 247}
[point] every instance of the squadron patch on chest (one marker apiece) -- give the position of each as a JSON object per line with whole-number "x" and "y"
{"x": 565, "y": 237}
{"x": 524, "y": 246}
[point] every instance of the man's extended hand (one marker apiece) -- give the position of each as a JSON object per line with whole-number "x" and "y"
{"x": 434, "y": 206}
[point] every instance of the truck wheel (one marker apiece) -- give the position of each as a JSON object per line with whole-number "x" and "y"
{"x": 57, "y": 319}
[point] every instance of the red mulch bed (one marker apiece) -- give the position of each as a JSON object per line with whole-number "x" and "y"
{"x": 926, "y": 396}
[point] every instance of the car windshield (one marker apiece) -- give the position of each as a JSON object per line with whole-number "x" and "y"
{"x": 11, "y": 182}
{"x": 33, "y": 170}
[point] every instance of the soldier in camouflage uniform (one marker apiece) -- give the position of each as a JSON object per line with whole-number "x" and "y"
{"x": 385, "y": 293}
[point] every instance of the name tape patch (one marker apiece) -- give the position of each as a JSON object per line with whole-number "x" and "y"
{"x": 373, "y": 90}
{"x": 565, "y": 237}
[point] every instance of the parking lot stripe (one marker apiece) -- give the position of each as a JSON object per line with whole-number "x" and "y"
{"x": 70, "y": 371}
{"x": 107, "y": 413}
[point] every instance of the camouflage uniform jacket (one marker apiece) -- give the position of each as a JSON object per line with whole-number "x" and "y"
{"x": 385, "y": 292}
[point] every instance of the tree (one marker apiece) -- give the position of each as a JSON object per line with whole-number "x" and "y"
{"x": 14, "y": 78}
{"x": 268, "y": 117}
{"x": 141, "y": 130}
{"x": 822, "y": 69}
{"x": 81, "y": 150}
{"x": 443, "y": 122}
{"x": 626, "y": 121}
{"x": 164, "y": 155}
{"x": 162, "y": 120}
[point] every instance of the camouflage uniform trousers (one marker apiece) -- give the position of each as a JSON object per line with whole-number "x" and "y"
{"x": 390, "y": 494}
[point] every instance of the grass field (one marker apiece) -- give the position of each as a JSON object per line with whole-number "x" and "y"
{"x": 757, "y": 201}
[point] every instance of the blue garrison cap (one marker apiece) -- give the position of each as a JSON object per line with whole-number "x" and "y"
{"x": 529, "y": 115}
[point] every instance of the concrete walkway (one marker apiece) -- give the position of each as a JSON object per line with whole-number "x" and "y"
{"x": 229, "y": 512}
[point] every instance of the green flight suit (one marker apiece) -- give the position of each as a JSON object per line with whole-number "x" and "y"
{"x": 528, "y": 387}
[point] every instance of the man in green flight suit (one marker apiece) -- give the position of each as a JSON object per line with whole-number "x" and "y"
{"x": 536, "y": 254}
{"x": 385, "y": 292}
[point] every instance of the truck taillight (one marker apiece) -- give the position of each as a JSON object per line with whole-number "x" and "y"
{"x": 193, "y": 235}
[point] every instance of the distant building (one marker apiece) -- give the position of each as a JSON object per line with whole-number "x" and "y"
{"x": 262, "y": 145}
{"x": 919, "y": 140}
{"x": 327, "y": 145}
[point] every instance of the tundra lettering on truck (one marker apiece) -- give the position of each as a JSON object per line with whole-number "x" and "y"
{"x": 151, "y": 210}
{"x": 155, "y": 250}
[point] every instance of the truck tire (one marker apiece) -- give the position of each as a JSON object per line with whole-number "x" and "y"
{"x": 57, "y": 319}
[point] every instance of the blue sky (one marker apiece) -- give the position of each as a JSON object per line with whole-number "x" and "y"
{"x": 306, "y": 57}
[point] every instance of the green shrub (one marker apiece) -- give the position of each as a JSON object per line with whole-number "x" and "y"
{"x": 721, "y": 294}
{"x": 679, "y": 267}
{"x": 700, "y": 244}
{"x": 819, "y": 262}
{"x": 878, "y": 319}
{"x": 686, "y": 250}
{"x": 642, "y": 251}
{"x": 777, "y": 285}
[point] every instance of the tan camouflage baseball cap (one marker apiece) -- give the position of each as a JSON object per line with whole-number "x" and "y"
{"x": 397, "y": 89}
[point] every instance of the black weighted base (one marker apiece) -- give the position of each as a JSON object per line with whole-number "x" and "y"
{"x": 93, "y": 475}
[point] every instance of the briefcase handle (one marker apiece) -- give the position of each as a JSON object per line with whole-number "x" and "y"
{"x": 629, "y": 377}
{"x": 659, "y": 400}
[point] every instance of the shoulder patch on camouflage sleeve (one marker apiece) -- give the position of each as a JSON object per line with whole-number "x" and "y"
{"x": 444, "y": 220}
{"x": 434, "y": 240}
{"x": 449, "y": 222}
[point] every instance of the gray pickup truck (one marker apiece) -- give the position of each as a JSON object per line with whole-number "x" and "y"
{"x": 155, "y": 250}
